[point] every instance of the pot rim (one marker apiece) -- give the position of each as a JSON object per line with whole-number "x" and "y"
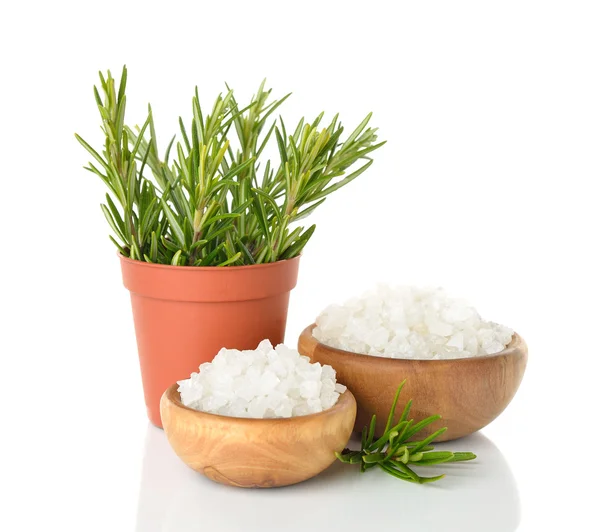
{"x": 516, "y": 347}
{"x": 265, "y": 265}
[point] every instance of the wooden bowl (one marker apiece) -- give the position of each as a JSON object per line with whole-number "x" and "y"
{"x": 468, "y": 392}
{"x": 257, "y": 453}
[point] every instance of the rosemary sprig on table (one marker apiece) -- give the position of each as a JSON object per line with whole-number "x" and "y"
{"x": 394, "y": 454}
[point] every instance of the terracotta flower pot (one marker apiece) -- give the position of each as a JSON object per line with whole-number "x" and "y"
{"x": 184, "y": 315}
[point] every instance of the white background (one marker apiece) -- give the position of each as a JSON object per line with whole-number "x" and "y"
{"x": 488, "y": 185}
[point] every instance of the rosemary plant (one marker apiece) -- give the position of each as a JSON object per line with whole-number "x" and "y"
{"x": 209, "y": 200}
{"x": 395, "y": 454}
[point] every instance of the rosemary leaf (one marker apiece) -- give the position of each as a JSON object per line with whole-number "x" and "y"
{"x": 371, "y": 431}
{"x": 394, "y": 454}
{"x": 209, "y": 173}
{"x": 390, "y": 418}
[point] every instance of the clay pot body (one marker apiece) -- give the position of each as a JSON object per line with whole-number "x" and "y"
{"x": 184, "y": 315}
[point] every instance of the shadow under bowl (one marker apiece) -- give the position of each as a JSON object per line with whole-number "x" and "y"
{"x": 257, "y": 453}
{"x": 468, "y": 393}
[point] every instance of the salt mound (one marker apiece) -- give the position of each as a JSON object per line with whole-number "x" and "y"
{"x": 264, "y": 383}
{"x": 410, "y": 322}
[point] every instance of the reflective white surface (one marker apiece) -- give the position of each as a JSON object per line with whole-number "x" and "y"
{"x": 473, "y": 497}
{"x": 488, "y": 185}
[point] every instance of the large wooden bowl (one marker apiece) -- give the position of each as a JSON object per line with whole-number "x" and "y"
{"x": 468, "y": 393}
{"x": 257, "y": 453}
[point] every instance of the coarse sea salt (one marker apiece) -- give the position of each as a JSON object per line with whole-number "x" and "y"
{"x": 263, "y": 383}
{"x": 410, "y": 322}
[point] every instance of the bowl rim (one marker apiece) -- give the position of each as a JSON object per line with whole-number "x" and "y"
{"x": 516, "y": 346}
{"x": 345, "y": 401}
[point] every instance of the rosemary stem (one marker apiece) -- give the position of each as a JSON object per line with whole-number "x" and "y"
{"x": 392, "y": 452}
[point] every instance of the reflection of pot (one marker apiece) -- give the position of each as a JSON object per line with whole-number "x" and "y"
{"x": 474, "y": 496}
{"x": 183, "y": 315}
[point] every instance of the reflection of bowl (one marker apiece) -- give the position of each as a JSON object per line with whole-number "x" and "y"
{"x": 467, "y": 392}
{"x": 474, "y": 496}
{"x": 257, "y": 453}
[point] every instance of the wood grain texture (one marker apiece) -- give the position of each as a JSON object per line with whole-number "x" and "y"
{"x": 468, "y": 393}
{"x": 257, "y": 453}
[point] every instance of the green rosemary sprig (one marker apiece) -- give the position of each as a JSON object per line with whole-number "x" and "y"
{"x": 394, "y": 453}
{"x": 212, "y": 199}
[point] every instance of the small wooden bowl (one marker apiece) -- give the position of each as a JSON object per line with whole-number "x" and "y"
{"x": 467, "y": 392}
{"x": 257, "y": 453}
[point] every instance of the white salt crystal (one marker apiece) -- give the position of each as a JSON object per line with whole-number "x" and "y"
{"x": 310, "y": 389}
{"x": 327, "y": 385}
{"x": 301, "y": 409}
{"x": 327, "y": 372}
{"x": 274, "y": 399}
{"x": 207, "y": 366}
{"x": 263, "y": 383}
{"x": 310, "y": 371}
{"x": 284, "y": 409}
{"x": 472, "y": 346}
{"x": 493, "y": 347}
{"x": 264, "y": 347}
{"x": 294, "y": 391}
{"x": 438, "y": 327}
{"x": 278, "y": 367}
{"x": 190, "y": 393}
{"x": 456, "y": 341}
{"x": 410, "y": 322}
{"x": 257, "y": 407}
{"x": 247, "y": 392}
{"x": 314, "y": 405}
{"x": 213, "y": 403}
{"x": 328, "y": 399}
{"x": 268, "y": 382}
{"x": 237, "y": 407}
